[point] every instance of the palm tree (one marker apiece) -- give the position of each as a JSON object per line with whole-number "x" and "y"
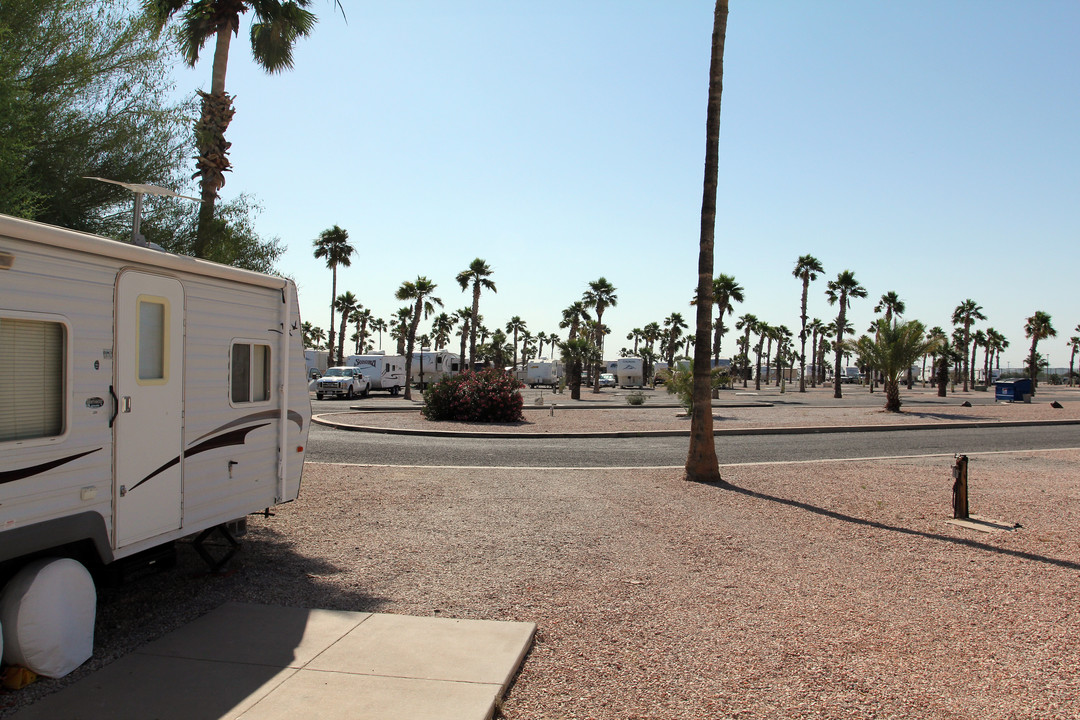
{"x": 1074, "y": 343}
{"x": 995, "y": 344}
{"x": 441, "y": 328}
{"x": 701, "y": 462}
{"x": 764, "y": 332}
{"x": 276, "y": 28}
{"x": 333, "y": 245}
{"x": 1037, "y": 327}
{"x": 379, "y": 325}
{"x": 362, "y": 317}
{"x": 964, "y": 315}
{"x": 725, "y": 291}
{"x": 541, "y": 340}
{"x": 313, "y": 335}
{"x": 601, "y": 295}
{"x": 515, "y": 325}
{"x": 978, "y": 338}
{"x": 674, "y": 324}
{"x": 464, "y": 316}
{"x": 748, "y": 324}
{"x": 422, "y": 291}
{"x": 815, "y": 327}
{"x": 842, "y": 290}
{"x": 572, "y": 317}
{"x": 892, "y": 351}
{"x": 400, "y": 330}
{"x": 891, "y": 305}
{"x": 807, "y": 268}
{"x": 346, "y": 304}
{"x": 635, "y": 335}
{"x": 576, "y": 354}
{"x": 937, "y": 338}
{"x": 478, "y": 275}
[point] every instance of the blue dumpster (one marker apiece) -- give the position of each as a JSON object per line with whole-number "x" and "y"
{"x": 1016, "y": 390}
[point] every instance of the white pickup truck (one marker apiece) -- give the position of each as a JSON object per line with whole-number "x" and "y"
{"x": 346, "y": 382}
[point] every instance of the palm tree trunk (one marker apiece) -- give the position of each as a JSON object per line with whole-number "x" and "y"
{"x": 212, "y": 163}
{"x": 802, "y": 338}
{"x": 474, "y": 323}
{"x": 333, "y": 297}
{"x": 892, "y": 395}
{"x": 702, "y": 464}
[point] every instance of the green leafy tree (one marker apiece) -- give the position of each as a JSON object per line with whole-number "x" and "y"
{"x": 277, "y": 25}
{"x": 85, "y": 91}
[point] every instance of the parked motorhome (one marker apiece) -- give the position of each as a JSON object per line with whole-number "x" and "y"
{"x": 144, "y": 396}
{"x": 629, "y": 372}
{"x": 384, "y": 372}
{"x": 543, "y": 372}
{"x": 437, "y": 364}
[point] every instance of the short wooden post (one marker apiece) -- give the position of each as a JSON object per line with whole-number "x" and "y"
{"x": 960, "y": 488}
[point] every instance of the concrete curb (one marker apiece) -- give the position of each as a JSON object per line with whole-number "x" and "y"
{"x": 807, "y": 430}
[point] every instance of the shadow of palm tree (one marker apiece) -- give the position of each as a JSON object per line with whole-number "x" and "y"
{"x": 825, "y": 512}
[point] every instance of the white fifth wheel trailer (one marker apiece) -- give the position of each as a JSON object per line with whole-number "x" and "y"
{"x": 544, "y": 372}
{"x": 629, "y": 372}
{"x": 437, "y": 364}
{"x": 384, "y": 372}
{"x": 144, "y": 396}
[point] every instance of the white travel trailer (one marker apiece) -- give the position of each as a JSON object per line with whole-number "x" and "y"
{"x": 437, "y": 364}
{"x": 144, "y": 396}
{"x": 316, "y": 362}
{"x": 630, "y": 372}
{"x": 543, "y": 372}
{"x": 384, "y": 372}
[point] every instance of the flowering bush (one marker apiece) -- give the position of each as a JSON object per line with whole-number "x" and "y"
{"x": 482, "y": 396}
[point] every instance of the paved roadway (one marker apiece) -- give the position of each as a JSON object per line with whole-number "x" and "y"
{"x": 332, "y": 445}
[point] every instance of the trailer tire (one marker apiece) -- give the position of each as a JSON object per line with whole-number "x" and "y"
{"x": 394, "y": 391}
{"x": 318, "y": 396}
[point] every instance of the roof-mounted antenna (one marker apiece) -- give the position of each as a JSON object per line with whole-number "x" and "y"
{"x": 140, "y": 189}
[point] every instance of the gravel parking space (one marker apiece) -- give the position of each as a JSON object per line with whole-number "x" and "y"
{"x": 823, "y": 590}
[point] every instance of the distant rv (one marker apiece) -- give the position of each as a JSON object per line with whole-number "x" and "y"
{"x": 543, "y": 372}
{"x": 384, "y": 372}
{"x": 629, "y": 372}
{"x": 433, "y": 366}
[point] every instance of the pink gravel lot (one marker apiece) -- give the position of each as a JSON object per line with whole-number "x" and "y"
{"x": 797, "y": 590}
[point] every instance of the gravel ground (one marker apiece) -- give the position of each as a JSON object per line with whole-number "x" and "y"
{"x": 816, "y": 590}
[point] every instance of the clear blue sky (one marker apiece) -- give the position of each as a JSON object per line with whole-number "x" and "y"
{"x": 929, "y": 146}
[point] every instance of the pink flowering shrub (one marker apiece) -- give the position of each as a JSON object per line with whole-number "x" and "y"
{"x": 482, "y": 396}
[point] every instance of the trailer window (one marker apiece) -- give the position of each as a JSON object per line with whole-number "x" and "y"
{"x": 250, "y": 372}
{"x": 32, "y": 381}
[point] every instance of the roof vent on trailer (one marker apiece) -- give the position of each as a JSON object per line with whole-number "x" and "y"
{"x": 6, "y": 260}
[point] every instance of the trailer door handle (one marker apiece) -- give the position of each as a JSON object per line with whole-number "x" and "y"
{"x": 127, "y": 403}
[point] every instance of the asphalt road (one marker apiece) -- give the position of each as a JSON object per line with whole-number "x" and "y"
{"x": 333, "y": 445}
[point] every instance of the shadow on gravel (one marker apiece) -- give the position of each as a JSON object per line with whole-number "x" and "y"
{"x": 902, "y": 530}
{"x": 950, "y": 416}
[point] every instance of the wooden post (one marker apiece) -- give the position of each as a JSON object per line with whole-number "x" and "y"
{"x": 960, "y": 489}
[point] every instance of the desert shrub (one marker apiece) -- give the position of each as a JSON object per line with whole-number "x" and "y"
{"x": 636, "y": 398}
{"x": 483, "y": 396}
{"x": 681, "y": 383}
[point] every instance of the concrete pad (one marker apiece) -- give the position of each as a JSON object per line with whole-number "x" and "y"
{"x": 316, "y": 695}
{"x": 258, "y": 634}
{"x": 982, "y": 524}
{"x": 137, "y": 687}
{"x": 477, "y": 651}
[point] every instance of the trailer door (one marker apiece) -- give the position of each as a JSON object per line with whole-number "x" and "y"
{"x": 149, "y": 422}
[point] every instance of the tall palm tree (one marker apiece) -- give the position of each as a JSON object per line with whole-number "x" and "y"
{"x": 890, "y": 304}
{"x": 1037, "y": 327}
{"x": 701, "y": 462}
{"x": 995, "y": 344}
{"x": 478, "y": 275}
{"x": 764, "y": 332}
{"x": 400, "y": 329}
{"x": 978, "y": 339}
{"x": 815, "y": 327}
{"x": 379, "y": 325}
{"x": 964, "y": 315}
{"x": 892, "y": 351}
{"x": 464, "y": 316}
{"x": 748, "y": 324}
{"x": 634, "y": 335}
{"x": 601, "y": 295}
{"x": 441, "y": 329}
{"x": 807, "y": 269}
{"x": 515, "y": 325}
{"x": 541, "y": 340}
{"x": 674, "y": 324}
{"x": 362, "y": 317}
{"x": 936, "y": 339}
{"x": 1074, "y": 343}
{"x": 842, "y": 290}
{"x": 333, "y": 246}
{"x": 346, "y": 304}
{"x": 576, "y": 354}
{"x": 276, "y": 28}
{"x": 422, "y": 292}
{"x": 725, "y": 292}
{"x": 572, "y": 317}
